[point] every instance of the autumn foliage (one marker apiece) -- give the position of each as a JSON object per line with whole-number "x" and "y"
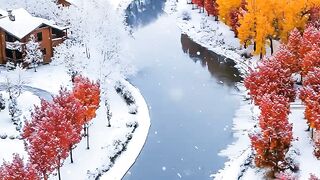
{"x": 270, "y": 78}
{"x": 88, "y": 94}
{"x": 211, "y": 7}
{"x": 273, "y": 142}
{"x": 17, "y": 170}
{"x": 55, "y": 127}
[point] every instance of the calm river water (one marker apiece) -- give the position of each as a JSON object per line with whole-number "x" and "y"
{"x": 191, "y": 94}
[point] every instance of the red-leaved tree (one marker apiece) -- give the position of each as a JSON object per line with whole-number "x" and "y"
{"x": 270, "y": 78}
{"x": 273, "y": 142}
{"x": 17, "y": 170}
{"x": 47, "y": 137}
{"x": 88, "y": 94}
{"x": 74, "y": 112}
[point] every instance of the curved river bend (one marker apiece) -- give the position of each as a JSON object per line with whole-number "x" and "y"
{"x": 191, "y": 95}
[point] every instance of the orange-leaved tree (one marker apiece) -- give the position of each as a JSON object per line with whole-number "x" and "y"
{"x": 88, "y": 94}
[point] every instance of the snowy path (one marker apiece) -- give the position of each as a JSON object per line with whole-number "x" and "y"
{"x": 36, "y": 91}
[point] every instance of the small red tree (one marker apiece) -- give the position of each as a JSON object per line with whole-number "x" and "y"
{"x": 88, "y": 94}
{"x": 270, "y": 78}
{"x": 16, "y": 170}
{"x": 74, "y": 112}
{"x": 273, "y": 142}
{"x": 211, "y": 7}
{"x": 48, "y": 138}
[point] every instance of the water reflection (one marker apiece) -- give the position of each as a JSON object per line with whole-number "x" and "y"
{"x": 142, "y": 12}
{"x": 223, "y": 70}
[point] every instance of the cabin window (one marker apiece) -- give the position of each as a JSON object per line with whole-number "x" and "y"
{"x": 39, "y": 35}
{"x": 10, "y": 38}
{"x": 9, "y": 53}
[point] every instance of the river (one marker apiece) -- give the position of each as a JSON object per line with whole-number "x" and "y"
{"x": 191, "y": 95}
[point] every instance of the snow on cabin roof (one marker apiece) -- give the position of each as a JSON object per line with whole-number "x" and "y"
{"x": 24, "y": 23}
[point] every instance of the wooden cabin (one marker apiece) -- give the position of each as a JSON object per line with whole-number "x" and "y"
{"x": 16, "y": 27}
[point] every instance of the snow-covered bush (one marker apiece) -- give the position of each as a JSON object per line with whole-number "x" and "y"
{"x": 127, "y": 96}
{"x": 125, "y": 93}
{"x": 186, "y": 15}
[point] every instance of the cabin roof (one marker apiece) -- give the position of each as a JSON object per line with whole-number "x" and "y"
{"x": 24, "y": 23}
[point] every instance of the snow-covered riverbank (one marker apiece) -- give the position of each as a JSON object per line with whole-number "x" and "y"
{"x": 218, "y": 37}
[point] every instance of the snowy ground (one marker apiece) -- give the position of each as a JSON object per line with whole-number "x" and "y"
{"x": 88, "y": 163}
{"x": 218, "y": 37}
{"x": 214, "y": 35}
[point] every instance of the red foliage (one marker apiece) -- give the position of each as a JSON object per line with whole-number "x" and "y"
{"x": 16, "y": 170}
{"x": 48, "y": 137}
{"x": 235, "y": 15}
{"x": 289, "y": 54}
{"x": 74, "y": 112}
{"x": 311, "y": 59}
{"x": 88, "y": 94}
{"x": 200, "y": 3}
{"x": 310, "y": 94}
{"x": 211, "y": 7}
{"x": 270, "y": 78}
{"x": 308, "y": 48}
{"x": 273, "y": 142}
{"x": 314, "y": 17}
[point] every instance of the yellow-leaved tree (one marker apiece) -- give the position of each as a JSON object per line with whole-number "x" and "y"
{"x": 257, "y": 24}
{"x": 226, "y": 7}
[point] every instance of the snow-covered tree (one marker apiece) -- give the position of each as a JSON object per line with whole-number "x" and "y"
{"x": 14, "y": 111}
{"x": 33, "y": 55}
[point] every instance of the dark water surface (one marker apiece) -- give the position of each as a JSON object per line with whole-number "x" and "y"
{"x": 191, "y": 94}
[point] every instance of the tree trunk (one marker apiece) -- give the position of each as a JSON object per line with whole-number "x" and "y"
{"x": 271, "y": 46}
{"x": 71, "y": 157}
{"x": 44, "y": 175}
{"x": 59, "y": 175}
{"x": 312, "y": 133}
{"x": 88, "y": 137}
{"x": 254, "y": 46}
{"x": 261, "y": 55}
{"x": 109, "y": 124}
{"x": 85, "y": 129}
